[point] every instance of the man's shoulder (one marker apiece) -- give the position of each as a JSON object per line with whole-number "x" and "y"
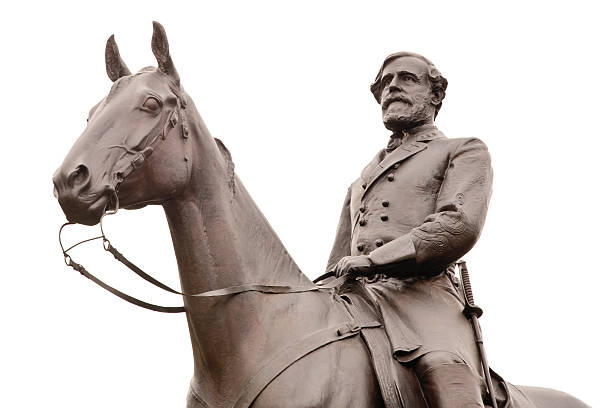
{"x": 457, "y": 141}
{"x": 456, "y": 144}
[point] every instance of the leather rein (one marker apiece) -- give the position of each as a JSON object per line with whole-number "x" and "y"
{"x": 172, "y": 119}
{"x": 231, "y": 290}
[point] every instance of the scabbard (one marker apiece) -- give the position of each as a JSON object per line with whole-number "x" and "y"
{"x": 483, "y": 358}
{"x": 473, "y": 312}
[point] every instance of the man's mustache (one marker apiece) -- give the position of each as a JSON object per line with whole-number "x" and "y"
{"x": 396, "y": 98}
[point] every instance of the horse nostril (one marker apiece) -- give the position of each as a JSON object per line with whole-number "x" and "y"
{"x": 79, "y": 176}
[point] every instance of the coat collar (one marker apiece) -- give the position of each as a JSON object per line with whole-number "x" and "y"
{"x": 424, "y": 133}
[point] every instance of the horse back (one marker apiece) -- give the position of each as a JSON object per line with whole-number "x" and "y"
{"x": 344, "y": 373}
{"x": 549, "y": 398}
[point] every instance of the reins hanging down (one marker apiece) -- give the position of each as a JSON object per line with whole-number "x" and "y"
{"x": 83, "y": 271}
{"x": 231, "y": 290}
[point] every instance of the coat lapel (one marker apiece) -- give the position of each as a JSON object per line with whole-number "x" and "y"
{"x": 375, "y": 169}
{"x": 401, "y": 153}
{"x": 381, "y": 163}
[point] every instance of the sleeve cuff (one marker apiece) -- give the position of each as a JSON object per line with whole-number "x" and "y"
{"x": 398, "y": 250}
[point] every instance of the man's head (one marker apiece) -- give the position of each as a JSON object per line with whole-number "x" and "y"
{"x": 410, "y": 90}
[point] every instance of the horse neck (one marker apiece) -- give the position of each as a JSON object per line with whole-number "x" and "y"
{"x": 221, "y": 239}
{"x": 220, "y": 236}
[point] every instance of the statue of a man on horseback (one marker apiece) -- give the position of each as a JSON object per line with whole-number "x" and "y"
{"x": 263, "y": 334}
{"x": 416, "y": 208}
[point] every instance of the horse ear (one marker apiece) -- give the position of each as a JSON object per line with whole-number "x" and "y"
{"x": 115, "y": 67}
{"x": 159, "y": 45}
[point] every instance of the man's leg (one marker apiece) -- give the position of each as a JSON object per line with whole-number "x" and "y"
{"x": 447, "y": 381}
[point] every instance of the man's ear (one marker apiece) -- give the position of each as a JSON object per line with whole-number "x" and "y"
{"x": 437, "y": 97}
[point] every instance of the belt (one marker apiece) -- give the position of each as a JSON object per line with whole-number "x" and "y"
{"x": 397, "y": 273}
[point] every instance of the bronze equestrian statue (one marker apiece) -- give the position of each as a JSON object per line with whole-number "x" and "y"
{"x": 386, "y": 330}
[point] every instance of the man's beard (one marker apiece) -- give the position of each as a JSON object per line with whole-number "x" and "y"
{"x": 416, "y": 112}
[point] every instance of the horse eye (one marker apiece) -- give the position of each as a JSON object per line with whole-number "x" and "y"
{"x": 151, "y": 104}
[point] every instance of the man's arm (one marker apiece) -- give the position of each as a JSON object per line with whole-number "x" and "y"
{"x": 454, "y": 228}
{"x": 342, "y": 243}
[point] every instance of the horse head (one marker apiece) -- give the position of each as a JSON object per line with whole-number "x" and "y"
{"x": 137, "y": 130}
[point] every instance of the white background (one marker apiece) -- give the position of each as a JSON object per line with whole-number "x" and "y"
{"x": 285, "y": 85}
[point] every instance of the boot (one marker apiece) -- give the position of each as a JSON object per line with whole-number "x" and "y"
{"x": 451, "y": 386}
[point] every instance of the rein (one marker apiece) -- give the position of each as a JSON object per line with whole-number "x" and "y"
{"x": 231, "y": 290}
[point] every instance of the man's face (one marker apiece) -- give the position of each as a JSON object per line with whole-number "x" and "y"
{"x": 406, "y": 97}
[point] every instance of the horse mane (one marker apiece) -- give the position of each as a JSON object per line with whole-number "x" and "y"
{"x": 230, "y": 164}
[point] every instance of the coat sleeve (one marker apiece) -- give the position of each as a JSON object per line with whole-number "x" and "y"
{"x": 461, "y": 207}
{"x": 342, "y": 243}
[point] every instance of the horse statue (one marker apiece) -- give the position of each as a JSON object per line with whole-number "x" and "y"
{"x": 263, "y": 334}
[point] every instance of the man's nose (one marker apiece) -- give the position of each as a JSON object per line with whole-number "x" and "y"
{"x": 394, "y": 85}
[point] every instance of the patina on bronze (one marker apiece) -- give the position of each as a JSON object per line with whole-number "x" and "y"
{"x": 253, "y": 343}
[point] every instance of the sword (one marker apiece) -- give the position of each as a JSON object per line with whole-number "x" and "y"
{"x": 473, "y": 312}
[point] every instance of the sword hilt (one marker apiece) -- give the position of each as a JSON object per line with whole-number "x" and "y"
{"x": 470, "y": 308}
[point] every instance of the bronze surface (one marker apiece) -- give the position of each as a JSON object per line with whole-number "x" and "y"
{"x": 145, "y": 143}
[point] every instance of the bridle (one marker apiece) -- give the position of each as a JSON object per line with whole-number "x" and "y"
{"x": 171, "y": 120}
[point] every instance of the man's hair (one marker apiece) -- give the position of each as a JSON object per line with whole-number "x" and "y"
{"x": 437, "y": 81}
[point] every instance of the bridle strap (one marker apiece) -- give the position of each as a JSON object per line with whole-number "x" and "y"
{"x": 169, "y": 121}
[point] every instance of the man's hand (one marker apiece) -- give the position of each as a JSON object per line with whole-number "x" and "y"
{"x": 358, "y": 265}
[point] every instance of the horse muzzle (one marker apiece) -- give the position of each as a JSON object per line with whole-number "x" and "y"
{"x": 81, "y": 202}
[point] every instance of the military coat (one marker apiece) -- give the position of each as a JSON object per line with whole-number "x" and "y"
{"x": 414, "y": 211}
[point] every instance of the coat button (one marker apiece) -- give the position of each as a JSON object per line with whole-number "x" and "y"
{"x": 396, "y": 165}
{"x": 363, "y": 185}
{"x": 384, "y": 217}
{"x": 385, "y": 203}
{"x": 391, "y": 177}
{"x": 379, "y": 242}
{"x": 360, "y": 246}
{"x": 362, "y": 222}
{"x": 362, "y": 208}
